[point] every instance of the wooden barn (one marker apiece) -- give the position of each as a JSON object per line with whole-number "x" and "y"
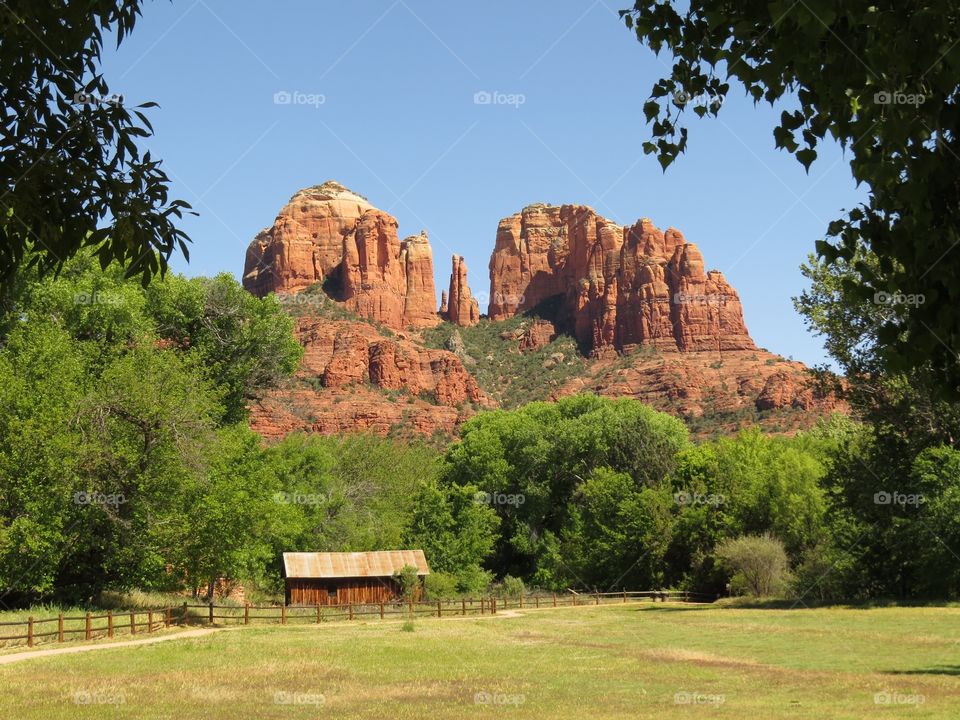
{"x": 338, "y": 578}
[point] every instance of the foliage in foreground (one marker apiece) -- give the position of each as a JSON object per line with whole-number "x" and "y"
{"x": 880, "y": 78}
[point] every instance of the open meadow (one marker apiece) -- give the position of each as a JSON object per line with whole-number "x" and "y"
{"x": 636, "y": 660}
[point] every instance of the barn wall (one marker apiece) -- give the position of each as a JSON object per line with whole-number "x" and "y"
{"x": 306, "y": 591}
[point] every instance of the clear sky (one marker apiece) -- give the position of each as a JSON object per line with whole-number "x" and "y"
{"x": 386, "y": 106}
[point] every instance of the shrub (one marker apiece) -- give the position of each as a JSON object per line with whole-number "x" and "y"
{"x": 441, "y": 586}
{"x": 407, "y": 579}
{"x": 510, "y": 587}
{"x": 758, "y": 564}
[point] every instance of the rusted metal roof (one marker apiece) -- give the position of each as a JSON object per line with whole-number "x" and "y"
{"x": 380, "y": 563}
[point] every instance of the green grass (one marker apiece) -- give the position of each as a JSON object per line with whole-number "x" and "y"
{"x": 630, "y": 661}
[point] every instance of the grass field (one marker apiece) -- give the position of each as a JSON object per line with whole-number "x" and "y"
{"x": 629, "y": 661}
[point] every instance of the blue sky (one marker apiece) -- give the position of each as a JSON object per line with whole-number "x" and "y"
{"x": 398, "y": 124}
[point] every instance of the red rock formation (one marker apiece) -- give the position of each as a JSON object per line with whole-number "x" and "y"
{"x": 355, "y": 365}
{"x": 618, "y": 287}
{"x": 537, "y": 335}
{"x": 327, "y": 232}
{"x": 305, "y": 243}
{"x": 459, "y": 307}
{"x": 631, "y": 290}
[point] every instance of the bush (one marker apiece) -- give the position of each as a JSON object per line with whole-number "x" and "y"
{"x": 441, "y": 586}
{"x": 408, "y": 580}
{"x": 758, "y": 564}
{"x": 474, "y": 581}
{"x": 509, "y": 587}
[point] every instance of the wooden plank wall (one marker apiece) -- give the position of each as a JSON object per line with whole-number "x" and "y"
{"x": 359, "y": 591}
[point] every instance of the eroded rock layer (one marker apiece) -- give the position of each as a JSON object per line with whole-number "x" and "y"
{"x": 328, "y": 234}
{"x": 616, "y": 287}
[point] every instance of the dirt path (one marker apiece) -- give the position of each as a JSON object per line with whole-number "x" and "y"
{"x": 26, "y": 655}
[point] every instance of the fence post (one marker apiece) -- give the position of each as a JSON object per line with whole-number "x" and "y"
{"x": 318, "y": 613}
{"x": 149, "y": 621}
{"x": 60, "y": 627}
{"x": 554, "y": 599}
{"x": 30, "y": 631}
{"x": 381, "y": 609}
{"x": 133, "y": 623}
{"x": 624, "y": 595}
{"x": 481, "y": 606}
{"x": 598, "y": 598}
{"x": 521, "y": 601}
{"x": 493, "y": 606}
{"x": 167, "y": 616}
{"x": 463, "y": 602}
{"x": 183, "y": 617}
{"x": 536, "y": 600}
{"x": 350, "y": 610}
{"x": 109, "y": 623}
{"x": 89, "y": 630}
{"x": 439, "y": 610}
{"x": 210, "y": 611}
{"x": 283, "y": 614}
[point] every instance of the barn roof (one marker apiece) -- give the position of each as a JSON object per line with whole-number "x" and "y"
{"x": 380, "y": 563}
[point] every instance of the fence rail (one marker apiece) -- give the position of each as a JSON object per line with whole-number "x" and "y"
{"x": 91, "y": 627}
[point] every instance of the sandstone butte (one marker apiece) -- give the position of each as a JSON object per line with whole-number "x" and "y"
{"x": 565, "y": 269}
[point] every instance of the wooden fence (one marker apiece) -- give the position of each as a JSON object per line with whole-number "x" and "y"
{"x": 88, "y": 625}
{"x": 110, "y": 623}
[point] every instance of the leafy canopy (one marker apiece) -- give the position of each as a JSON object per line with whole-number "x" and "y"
{"x": 881, "y": 79}
{"x": 73, "y": 175}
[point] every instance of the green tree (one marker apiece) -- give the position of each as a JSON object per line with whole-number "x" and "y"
{"x": 228, "y": 513}
{"x": 73, "y": 174}
{"x": 42, "y": 378}
{"x": 457, "y": 531}
{"x": 531, "y": 463}
{"x": 881, "y": 79}
{"x": 245, "y": 344}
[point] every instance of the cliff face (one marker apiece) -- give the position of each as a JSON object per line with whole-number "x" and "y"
{"x": 617, "y": 287}
{"x": 328, "y": 234}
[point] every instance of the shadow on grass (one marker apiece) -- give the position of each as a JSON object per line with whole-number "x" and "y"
{"x": 807, "y": 604}
{"x": 935, "y": 670}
